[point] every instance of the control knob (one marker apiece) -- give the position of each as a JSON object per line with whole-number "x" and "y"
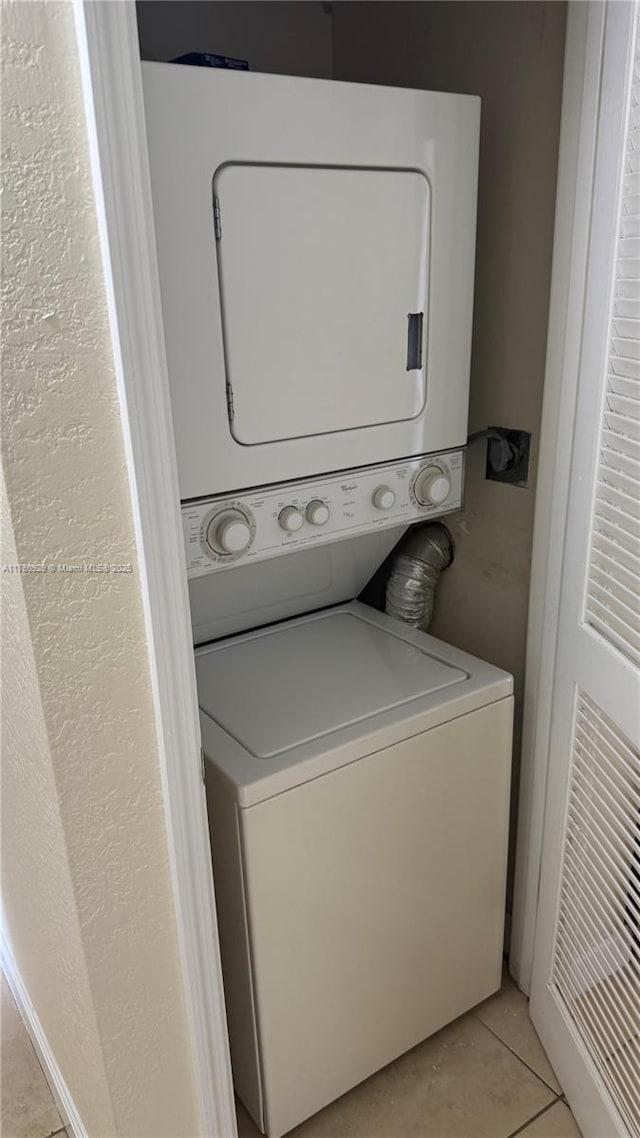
{"x": 383, "y": 498}
{"x": 432, "y": 486}
{"x": 229, "y": 533}
{"x": 290, "y": 519}
{"x": 317, "y": 512}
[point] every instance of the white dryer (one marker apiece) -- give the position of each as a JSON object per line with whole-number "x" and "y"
{"x": 316, "y": 248}
{"x": 358, "y": 786}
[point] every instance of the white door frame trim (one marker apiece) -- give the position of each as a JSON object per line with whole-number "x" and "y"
{"x": 574, "y": 198}
{"x": 108, "y": 49}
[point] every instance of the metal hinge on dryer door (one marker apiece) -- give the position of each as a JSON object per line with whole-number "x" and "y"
{"x": 216, "y": 218}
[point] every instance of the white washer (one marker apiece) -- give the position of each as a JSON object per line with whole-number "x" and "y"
{"x": 358, "y": 783}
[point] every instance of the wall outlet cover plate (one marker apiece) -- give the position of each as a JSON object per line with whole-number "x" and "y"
{"x": 516, "y": 472}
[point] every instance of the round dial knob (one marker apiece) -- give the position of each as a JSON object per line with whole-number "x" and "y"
{"x": 229, "y": 532}
{"x": 317, "y": 513}
{"x": 291, "y": 519}
{"x": 432, "y": 486}
{"x": 383, "y": 498}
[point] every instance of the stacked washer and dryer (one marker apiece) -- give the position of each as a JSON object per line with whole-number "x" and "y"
{"x": 316, "y": 252}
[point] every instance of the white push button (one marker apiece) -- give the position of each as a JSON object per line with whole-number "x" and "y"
{"x": 383, "y": 498}
{"x": 317, "y": 513}
{"x": 291, "y": 519}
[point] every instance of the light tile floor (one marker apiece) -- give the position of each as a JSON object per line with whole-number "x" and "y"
{"x": 27, "y": 1109}
{"x": 484, "y": 1076}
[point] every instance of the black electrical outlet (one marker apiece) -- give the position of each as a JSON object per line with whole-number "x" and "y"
{"x": 508, "y": 456}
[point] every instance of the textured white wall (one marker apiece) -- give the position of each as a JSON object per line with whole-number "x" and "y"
{"x": 86, "y": 885}
{"x": 36, "y": 877}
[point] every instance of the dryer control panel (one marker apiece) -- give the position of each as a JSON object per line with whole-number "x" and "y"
{"x": 226, "y": 531}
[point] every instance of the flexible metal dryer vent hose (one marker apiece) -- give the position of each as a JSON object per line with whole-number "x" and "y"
{"x": 411, "y": 588}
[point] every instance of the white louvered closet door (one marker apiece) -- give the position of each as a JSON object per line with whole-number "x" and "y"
{"x": 585, "y": 999}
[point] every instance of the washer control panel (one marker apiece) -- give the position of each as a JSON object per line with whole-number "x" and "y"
{"x": 226, "y": 531}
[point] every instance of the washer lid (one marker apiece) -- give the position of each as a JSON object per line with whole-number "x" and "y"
{"x": 291, "y": 684}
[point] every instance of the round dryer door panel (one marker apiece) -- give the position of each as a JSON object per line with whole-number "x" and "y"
{"x": 323, "y": 291}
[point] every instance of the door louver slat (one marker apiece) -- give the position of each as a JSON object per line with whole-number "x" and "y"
{"x": 624, "y": 504}
{"x": 624, "y": 602}
{"x": 612, "y": 775}
{"x": 622, "y": 425}
{"x": 628, "y": 289}
{"x": 614, "y": 540}
{"x": 626, "y": 525}
{"x": 621, "y": 473}
{"x": 615, "y": 560}
{"x": 596, "y": 968}
{"x": 621, "y": 444}
{"x": 612, "y": 603}
{"x": 624, "y": 384}
{"x": 624, "y": 302}
{"x": 614, "y": 630}
{"x": 622, "y": 1027}
{"x": 631, "y": 225}
{"x": 625, "y": 347}
{"x": 611, "y": 608}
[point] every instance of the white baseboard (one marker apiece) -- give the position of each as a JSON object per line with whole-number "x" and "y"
{"x": 54, "y": 1076}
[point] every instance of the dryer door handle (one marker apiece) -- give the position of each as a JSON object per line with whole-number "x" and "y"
{"x": 415, "y": 322}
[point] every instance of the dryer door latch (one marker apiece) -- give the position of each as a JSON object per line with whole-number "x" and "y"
{"x": 230, "y": 406}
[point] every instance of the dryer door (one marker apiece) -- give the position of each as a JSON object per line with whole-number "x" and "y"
{"x": 324, "y": 297}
